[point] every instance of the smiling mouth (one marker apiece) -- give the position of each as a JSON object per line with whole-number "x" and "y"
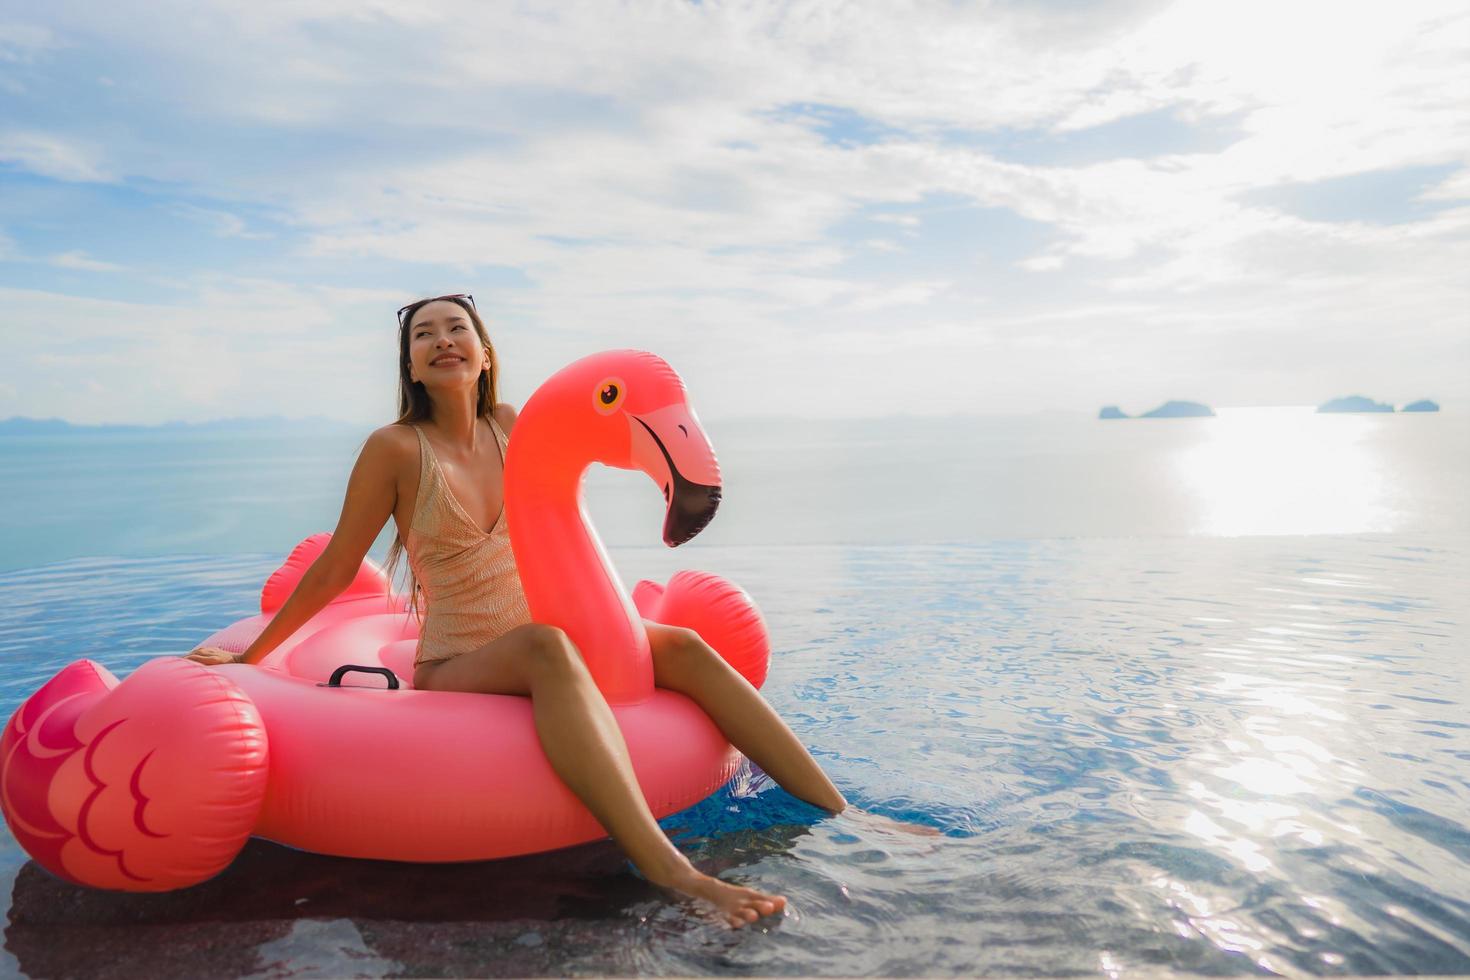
{"x": 446, "y": 360}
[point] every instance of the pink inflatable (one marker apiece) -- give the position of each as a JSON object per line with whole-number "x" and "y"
{"x": 156, "y": 782}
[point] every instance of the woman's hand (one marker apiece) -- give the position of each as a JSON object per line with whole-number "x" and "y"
{"x": 214, "y": 656}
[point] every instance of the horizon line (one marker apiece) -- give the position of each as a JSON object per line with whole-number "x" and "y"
{"x": 319, "y": 419}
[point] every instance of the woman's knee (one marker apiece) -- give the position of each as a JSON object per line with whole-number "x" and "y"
{"x": 547, "y": 650}
{"x": 679, "y": 654}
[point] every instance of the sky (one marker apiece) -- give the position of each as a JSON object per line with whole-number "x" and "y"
{"x": 824, "y": 209}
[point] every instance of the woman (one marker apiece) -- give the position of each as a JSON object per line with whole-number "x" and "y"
{"x": 439, "y": 473}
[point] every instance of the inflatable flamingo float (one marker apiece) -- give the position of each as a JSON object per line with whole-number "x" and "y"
{"x": 156, "y": 782}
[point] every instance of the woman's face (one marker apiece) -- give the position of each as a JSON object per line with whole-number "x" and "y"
{"x": 443, "y": 348}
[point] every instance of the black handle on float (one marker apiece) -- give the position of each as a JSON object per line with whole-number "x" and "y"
{"x": 342, "y": 671}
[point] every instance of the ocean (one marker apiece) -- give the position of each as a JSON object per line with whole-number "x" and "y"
{"x": 1108, "y": 696}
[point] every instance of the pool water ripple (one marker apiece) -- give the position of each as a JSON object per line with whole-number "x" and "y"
{"x": 1220, "y": 756}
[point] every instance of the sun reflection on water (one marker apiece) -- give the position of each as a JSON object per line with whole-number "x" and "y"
{"x": 1286, "y": 471}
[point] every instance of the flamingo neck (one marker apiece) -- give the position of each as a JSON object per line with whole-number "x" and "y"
{"x": 567, "y": 576}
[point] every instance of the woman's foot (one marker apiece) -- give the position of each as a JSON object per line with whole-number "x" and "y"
{"x": 878, "y": 822}
{"x": 736, "y": 904}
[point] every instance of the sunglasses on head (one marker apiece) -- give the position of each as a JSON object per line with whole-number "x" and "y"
{"x": 460, "y": 298}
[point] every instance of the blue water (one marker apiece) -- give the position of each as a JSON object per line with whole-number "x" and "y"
{"x": 1180, "y": 749}
{"x": 893, "y": 481}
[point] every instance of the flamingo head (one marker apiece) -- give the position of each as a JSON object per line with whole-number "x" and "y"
{"x": 629, "y": 409}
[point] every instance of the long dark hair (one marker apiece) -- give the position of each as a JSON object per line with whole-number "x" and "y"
{"x": 414, "y": 406}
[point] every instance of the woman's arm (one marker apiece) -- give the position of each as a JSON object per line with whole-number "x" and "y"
{"x": 372, "y": 492}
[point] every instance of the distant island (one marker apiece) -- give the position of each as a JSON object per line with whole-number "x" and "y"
{"x": 1354, "y": 403}
{"x": 1184, "y": 410}
{"x": 1168, "y": 410}
{"x": 19, "y": 425}
{"x": 1180, "y": 410}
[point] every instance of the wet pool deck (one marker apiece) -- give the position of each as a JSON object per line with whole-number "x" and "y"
{"x": 280, "y": 912}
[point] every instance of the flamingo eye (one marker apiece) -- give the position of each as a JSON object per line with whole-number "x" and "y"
{"x": 609, "y": 395}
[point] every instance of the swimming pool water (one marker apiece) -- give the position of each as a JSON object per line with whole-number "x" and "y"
{"x": 1217, "y": 756}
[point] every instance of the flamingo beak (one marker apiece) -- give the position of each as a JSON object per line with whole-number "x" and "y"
{"x": 670, "y": 446}
{"x": 691, "y": 507}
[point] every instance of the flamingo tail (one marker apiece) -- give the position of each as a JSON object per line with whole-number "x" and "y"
{"x": 369, "y": 583}
{"x": 722, "y": 613}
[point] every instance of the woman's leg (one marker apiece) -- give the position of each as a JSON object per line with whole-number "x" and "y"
{"x": 683, "y": 662}
{"x": 582, "y": 740}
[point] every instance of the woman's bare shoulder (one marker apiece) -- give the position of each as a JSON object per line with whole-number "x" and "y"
{"x": 505, "y": 414}
{"x": 392, "y": 445}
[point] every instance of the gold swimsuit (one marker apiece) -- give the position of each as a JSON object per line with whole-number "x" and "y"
{"x": 472, "y": 591}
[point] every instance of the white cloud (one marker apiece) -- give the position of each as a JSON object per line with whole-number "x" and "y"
{"x": 1042, "y": 263}
{"x": 1455, "y": 187}
{"x": 223, "y": 223}
{"x": 246, "y": 348}
{"x": 911, "y": 294}
{"x": 634, "y": 169}
{"x": 51, "y": 156}
{"x": 80, "y": 260}
{"x": 21, "y": 42}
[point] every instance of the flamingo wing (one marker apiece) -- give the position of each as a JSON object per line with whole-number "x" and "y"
{"x": 150, "y": 784}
